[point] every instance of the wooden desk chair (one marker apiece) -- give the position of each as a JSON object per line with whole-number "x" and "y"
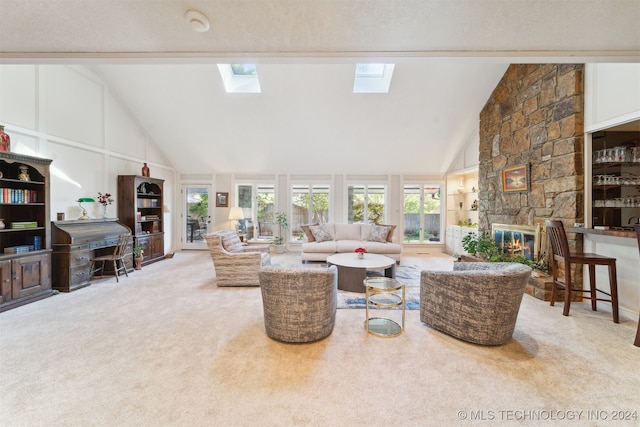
{"x": 117, "y": 257}
{"x": 562, "y": 254}
{"x": 637, "y": 341}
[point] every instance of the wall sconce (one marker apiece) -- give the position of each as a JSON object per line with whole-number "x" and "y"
{"x": 84, "y": 211}
{"x": 236, "y": 214}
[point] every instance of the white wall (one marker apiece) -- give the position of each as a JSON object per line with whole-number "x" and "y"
{"x": 612, "y": 97}
{"x": 469, "y": 156}
{"x": 69, "y": 115}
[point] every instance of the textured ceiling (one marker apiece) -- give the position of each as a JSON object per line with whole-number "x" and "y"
{"x": 450, "y": 55}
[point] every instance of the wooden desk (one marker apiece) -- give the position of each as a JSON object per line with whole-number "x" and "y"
{"x": 75, "y": 243}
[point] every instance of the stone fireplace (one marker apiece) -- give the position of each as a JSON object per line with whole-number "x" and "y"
{"x": 534, "y": 117}
{"x": 518, "y": 240}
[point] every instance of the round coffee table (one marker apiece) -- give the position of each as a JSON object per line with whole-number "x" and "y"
{"x": 353, "y": 270}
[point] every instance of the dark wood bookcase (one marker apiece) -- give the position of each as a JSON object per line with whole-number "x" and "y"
{"x": 140, "y": 207}
{"x": 25, "y": 246}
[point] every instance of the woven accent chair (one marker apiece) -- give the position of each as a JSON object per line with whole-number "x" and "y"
{"x": 562, "y": 254}
{"x": 299, "y": 303}
{"x": 637, "y": 341}
{"x": 116, "y": 258}
{"x": 477, "y": 302}
{"x": 235, "y": 264}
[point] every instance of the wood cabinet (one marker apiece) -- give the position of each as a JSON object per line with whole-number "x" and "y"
{"x": 25, "y": 254}
{"x": 140, "y": 207}
{"x": 615, "y": 179}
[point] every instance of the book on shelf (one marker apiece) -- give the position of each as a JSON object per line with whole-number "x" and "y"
{"x": 18, "y": 249}
{"x": 24, "y": 224}
{"x": 17, "y": 195}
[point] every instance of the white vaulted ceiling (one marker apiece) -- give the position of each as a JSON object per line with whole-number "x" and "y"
{"x": 449, "y": 55}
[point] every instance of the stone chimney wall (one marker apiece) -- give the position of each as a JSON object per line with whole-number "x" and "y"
{"x": 535, "y": 116}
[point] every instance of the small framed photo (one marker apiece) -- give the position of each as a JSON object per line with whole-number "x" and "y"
{"x": 515, "y": 178}
{"x": 222, "y": 200}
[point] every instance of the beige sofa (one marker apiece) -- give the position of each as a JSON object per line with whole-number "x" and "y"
{"x": 343, "y": 238}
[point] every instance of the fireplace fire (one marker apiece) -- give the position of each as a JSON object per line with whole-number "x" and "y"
{"x": 517, "y": 240}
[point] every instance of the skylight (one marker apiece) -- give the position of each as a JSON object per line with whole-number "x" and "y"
{"x": 240, "y": 78}
{"x": 373, "y": 78}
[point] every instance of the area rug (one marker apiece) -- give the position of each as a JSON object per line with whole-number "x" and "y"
{"x": 408, "y": 275}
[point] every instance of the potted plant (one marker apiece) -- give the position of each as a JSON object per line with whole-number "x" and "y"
{"x": 482, "y": 246}
{"x": 278, "y": 241}
{"x": 486, "y": 248}
{"x": 138, "y": 256}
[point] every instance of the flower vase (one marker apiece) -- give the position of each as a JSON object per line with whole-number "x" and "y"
{"x": 360, "y": 255}
{"x": 5, "y": 140}
{"x": 104, "y": 212}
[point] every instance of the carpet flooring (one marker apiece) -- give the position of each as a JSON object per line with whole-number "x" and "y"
{"x": 167, "y": 347}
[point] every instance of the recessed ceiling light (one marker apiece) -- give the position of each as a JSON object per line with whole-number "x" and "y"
{"x": 198, "y": 21}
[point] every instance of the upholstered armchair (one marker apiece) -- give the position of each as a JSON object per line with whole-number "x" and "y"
{"x": 477, "y": 302}
{"x": 299, "y": 303}
{"x": 235, "y": 264}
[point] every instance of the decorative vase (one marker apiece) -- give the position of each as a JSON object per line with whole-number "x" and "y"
{"x": 104, "y": 212}
{"x": 145, "y": 170}
{"x": 138, "y": 263}
{"x": 360, "y": 255}
{"x": 5, "y": 140}
{"x": 2, "y": 224}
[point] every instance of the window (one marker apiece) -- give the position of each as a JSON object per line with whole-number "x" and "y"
{"x": 422, "y": 213}
{"x": 240, "y": 78}
{"x": 309, "y": 205}
{"x": 373, "y": 78}
{"x": 258, "y": 204}
{"x": 366, "y": 203}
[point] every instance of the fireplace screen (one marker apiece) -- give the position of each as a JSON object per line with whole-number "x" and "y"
{"x": 517, "y": 240}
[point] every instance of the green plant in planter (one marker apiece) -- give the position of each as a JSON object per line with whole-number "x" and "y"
{"x": 485, "y": 247}
{"x": 482, "y": 246}
{"x": 281, "y": 220}
{"x": 138, "y": 252}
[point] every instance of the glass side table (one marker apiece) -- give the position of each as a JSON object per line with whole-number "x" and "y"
{"x": 384, "y": 292}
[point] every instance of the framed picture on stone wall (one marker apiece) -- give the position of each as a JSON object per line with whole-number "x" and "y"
{"x": 515, "y": 178}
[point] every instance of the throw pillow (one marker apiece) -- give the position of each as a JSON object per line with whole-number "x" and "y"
{"x": 392, "y": 228}
{"x": 308, "y": 232}
{"x": 378, "y": 233}
{"x": 231, "y": 242}
{"x": 320, "y": 233}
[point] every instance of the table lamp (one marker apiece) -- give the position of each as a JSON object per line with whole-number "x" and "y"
{"x": 234, "y": 215}
{"x": 82, "y": 200}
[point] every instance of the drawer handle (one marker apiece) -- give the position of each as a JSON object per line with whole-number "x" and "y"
{"x": 80, "y": 273}
{"x": 82, "y": 258}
